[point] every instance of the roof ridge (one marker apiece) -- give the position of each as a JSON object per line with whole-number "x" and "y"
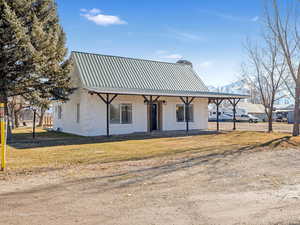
{"x": 124, "y": 57}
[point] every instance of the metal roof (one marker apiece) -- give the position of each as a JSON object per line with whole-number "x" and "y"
{"x": 121, "y": 75}
{"x": 207, "y": 94}
{"x": 252, "y": 108}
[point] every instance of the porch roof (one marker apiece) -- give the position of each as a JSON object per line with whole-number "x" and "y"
{"x": 166, "y": 93}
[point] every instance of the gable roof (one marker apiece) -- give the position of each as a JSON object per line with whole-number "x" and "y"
{"x": 121, "y": 75}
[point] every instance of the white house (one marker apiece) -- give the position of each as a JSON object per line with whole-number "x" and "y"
{"x": 118, "y": 95}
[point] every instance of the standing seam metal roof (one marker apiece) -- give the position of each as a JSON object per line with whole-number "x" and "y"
{"x": 136, "y": 76}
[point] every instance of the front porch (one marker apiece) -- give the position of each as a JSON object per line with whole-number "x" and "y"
{"x": 155, "y": 104}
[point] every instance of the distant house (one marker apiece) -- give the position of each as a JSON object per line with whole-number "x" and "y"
{"x": 257, "y": 110}
{"x": 284, "y": 113}
{"x": 119, "y": 95}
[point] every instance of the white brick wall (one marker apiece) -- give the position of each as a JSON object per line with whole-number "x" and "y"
{"x": 93, "y": 115}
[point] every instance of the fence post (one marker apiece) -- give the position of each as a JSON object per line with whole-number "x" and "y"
{"x": 3, "y": 136}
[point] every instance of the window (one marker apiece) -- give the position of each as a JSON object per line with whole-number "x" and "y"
{"x": 77, "y": 113}
{"x": 121, "y": 114}
{"x": 126, "y": 113}
{"x": 191, "y": 113}
{"x": 59, "y": 111}
{"x": 114, "y": 113}
{"x": 180, "y": 113}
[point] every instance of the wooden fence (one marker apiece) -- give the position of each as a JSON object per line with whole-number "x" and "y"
{"x": 48, "y": 121}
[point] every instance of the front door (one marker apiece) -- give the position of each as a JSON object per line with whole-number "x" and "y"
{"x": 154, "y": 116}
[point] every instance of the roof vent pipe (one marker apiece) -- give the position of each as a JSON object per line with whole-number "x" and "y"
{"x": 185, "y": 62}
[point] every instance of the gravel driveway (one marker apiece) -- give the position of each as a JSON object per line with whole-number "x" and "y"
{"x": 256, "y": 187}
{"x": 263, "y": 126}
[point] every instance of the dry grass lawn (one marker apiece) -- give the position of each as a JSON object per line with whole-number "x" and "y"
{"x": 58, "y": 150}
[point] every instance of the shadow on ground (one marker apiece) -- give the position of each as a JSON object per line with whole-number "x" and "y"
{"x": 52, "y": 138}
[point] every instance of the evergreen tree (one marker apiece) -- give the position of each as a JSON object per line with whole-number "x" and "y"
{"x": 32, "y": 51}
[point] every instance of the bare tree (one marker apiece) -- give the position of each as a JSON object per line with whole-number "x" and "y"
{"x": 284, "y": 28}
{"x": 15, "y": 105}
{"x": 268, "y": 73}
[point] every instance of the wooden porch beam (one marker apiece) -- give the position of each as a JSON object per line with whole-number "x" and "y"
{"x": 192, "y": 99}
{"x": 104, "y": 100}
{"x": 156, "y": 99}
{"x": 146, "y": 99}
{"x": 113, "y": 98}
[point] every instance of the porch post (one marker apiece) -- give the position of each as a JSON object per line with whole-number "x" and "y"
{"x": 234, "y": 104}
{"x": 150, "y": 112}
{"x": 218, "y": 102}
{"x": 107, "y": 115}
{"x": 187, "y": 103}
{"x": 107, "y": 101}
{"x": 187, "y": 114}
{"x": 234, "y": 117}
{"x": 217, "y": 115}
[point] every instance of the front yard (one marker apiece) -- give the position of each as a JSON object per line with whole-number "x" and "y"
{"x": 58, "y": 150}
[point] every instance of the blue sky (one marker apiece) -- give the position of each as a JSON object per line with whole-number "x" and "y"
{"x": 209, "y": 33}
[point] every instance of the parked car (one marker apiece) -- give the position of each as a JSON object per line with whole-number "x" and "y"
{"x": 281, "y": 116}
{"x": 247, "y": 118}
{"x": 222, "y": 116}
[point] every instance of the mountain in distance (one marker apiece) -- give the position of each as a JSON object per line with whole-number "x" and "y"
{"x": 237, "y": 87}
{"x": 243, "y": 87}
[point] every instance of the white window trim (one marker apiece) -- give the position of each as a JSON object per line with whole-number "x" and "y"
{"x": 184, "y": 121}
{"x": 120, "y": 114}
{"x": 176, "y": 113}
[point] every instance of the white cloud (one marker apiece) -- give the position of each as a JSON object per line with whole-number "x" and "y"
{"x": 255, "y": 19}
{"x": 83, "y": 10}
{"x": 164, "y": 54}
{"x": 205, "y": 64}
{"x": 160, "y": 52}
{"x": 185, "y": 36}
{"x": 101, "y": 19}
{"x": 172, "y": 56}
{"x": 227, "y": 16}
{"x": 188, "y": 36}
{"x": 95, "y": 11}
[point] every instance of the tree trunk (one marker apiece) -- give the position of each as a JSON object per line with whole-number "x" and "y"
{"x": 11, "y": 112}
{"x": 41, "y": 119}
{"x": 9, "y": 132}
{"x": 296, "y": 110}
{"x": 4, "y": 99}
{"x": 16, "y": 119}
{"x": 270, "y": 121}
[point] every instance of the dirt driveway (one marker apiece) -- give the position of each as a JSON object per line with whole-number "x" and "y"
{"x": 247, "y": 187}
